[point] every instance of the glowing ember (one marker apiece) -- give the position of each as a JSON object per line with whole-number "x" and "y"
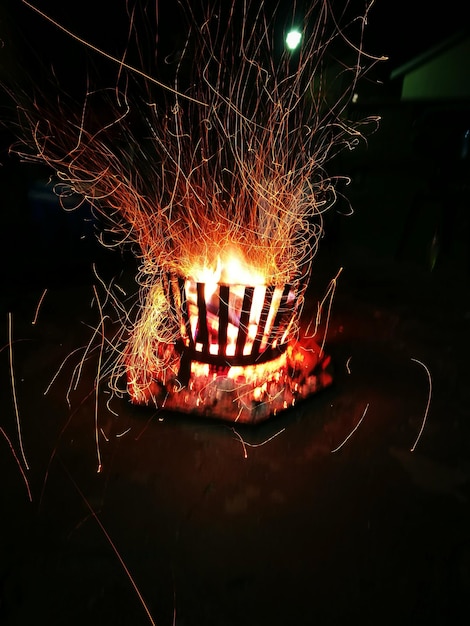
{"x": 246, "y": 394}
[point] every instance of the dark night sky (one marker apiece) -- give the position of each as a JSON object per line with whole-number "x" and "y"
{"x": 398, "y": 29}
{"x": 401, "y": 29}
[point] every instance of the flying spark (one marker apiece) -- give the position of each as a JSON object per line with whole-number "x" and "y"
{"x": 353, "y": 430}
{"x": 428, "y": 403}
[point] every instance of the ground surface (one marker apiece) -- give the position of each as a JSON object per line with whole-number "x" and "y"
{"x": 210, "y": 525}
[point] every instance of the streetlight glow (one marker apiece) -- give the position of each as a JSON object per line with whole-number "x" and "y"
{"x": 293, "y": 39}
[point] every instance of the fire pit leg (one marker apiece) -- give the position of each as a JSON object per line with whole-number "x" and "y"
{"x": 184, "y": 372}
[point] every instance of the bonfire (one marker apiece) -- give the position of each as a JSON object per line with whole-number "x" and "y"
{"x": 215, "y": 172}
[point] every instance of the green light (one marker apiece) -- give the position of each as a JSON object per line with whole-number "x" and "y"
{"x": 293, "y": 39}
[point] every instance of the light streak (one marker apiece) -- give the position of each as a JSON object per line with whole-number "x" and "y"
{"x": 255, "y": 445}
{"x": 62, "y": 431}
{"x": 18, "y": 462}
{"x": 329, "y": 295}
{"x": 13, "y": 389}
{"x": 245, "y": 453}
{"x": 353, "y": 431}
{"x": 121, "y": 290}
{"x": 230, "y": 164}
{"x": 108, "y": 404}
{"x": 330, "y": 304}
{"x": 119, "y": 435}
{"x": 348, "y": 369}
{"x": 60, "y": 368}
{"x": 103, "y": 53}
{"x": 76, "y": 372}
{"x": 86, "y": 351}
{"x": 97, "y": 383}
{"x": 112, "y": 544}
{"x": 106, "y": 438}
{"x": 38, "y": 307}
{"x": 262, "y": 443}
{"x": 428, "y": 403}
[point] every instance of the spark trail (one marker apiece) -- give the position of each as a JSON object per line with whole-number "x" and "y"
{"x": 225, "y": 157}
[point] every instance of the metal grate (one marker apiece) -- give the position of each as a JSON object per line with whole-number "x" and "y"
{"x": 227, "y": 325}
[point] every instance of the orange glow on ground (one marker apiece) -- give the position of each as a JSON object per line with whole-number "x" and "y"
{"x": 246, "y": 394}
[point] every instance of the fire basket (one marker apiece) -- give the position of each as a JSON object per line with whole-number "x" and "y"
{"x": 233, "y": 325}
{"x": 238, "y": 356}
